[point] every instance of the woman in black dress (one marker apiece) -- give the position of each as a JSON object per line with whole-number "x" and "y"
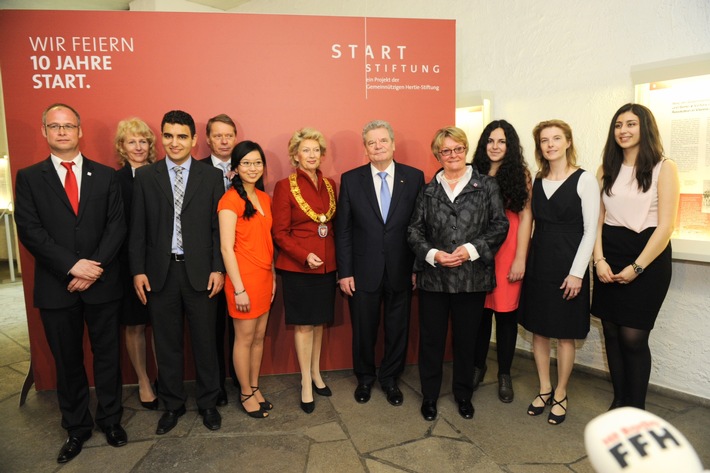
{"x": 555, "y": 299}
{"x": 135, "y": 145}
{"x": 632, "y": 254}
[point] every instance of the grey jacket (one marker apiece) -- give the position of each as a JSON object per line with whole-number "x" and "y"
{"x": 476, "y": 216}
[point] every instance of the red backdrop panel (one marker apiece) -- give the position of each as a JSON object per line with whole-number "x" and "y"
{"x": 272, "y": 74}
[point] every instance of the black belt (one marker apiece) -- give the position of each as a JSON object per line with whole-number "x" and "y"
{"x": 177, "y": 257}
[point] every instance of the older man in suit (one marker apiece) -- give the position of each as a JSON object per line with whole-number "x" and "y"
{"x": 176, "y": 262}
{"x": 221, "y": 139}
{"x": 69, "y": 216}
{"x": 374, "y": 261}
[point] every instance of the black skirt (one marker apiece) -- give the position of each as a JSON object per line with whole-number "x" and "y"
{"x": 634, "y": 305}
{"x": 133, "y": 312}
{"x": 309, "y": 299}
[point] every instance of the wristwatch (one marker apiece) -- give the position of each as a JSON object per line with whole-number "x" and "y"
{"x": 637, "y": 269}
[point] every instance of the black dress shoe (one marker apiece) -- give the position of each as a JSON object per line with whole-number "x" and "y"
{"x": 169, "y": 420}
{"x": 465, "y": 408}
{"x": 211, "y": 418}
{"x": 505, "y": 388}
{"x": 324, "y": 391}
{"x": 394, "y": 395}
{"x": 362, "y": 393}
{"x": 428, "y": 410}
{"x": 115, "y": 435}
{"x": 308, "y": 407}
{"x": 222, "y": 397}
{"x": 72, "y": 447}
{"x": 478, "y": 375}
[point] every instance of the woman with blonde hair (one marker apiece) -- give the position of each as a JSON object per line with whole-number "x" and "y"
{"x": 304, "y": 207}
{"x": 135, "y": 146}
{"x": 555, "y": 298}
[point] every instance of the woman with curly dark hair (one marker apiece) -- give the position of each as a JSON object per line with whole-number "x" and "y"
{"x": 500, "y": 155}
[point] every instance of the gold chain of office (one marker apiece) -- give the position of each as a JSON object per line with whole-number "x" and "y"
{"x": 318, "y": 218}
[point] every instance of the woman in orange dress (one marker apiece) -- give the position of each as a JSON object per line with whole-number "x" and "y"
{"x": 248, "y": 252}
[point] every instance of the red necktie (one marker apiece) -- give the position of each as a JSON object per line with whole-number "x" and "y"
{"x": 70, "y": 186}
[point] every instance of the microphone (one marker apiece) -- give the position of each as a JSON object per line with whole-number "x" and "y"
{"x": 632, "y": 440}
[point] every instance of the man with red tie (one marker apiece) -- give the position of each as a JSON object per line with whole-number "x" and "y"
{"x": 69, "y": 216}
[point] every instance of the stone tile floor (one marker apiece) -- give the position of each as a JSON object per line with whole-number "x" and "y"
{"x": 340, "y": 436}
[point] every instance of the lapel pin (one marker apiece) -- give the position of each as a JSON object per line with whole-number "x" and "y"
{"x": 88, "y": 174}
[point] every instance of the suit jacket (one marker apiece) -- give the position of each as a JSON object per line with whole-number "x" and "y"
{"x": 151, "y": 228}
{"x": 477, "y": 216}
{"x": 295, "y": 233}
{"x": 364, "y": 244}
{"x": 57, "y": 238}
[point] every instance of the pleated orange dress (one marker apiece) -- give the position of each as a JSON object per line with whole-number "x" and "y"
{"x": 254, "y": 250}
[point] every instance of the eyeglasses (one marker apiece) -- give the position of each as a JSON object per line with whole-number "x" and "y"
{"x": 446, "y": 152}
{"x": 252, "y": 164}
{"x": 56, "y": 127}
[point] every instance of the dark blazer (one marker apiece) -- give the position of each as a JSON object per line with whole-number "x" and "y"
{"x": 364, "y": 244}
{"x": 151, "y": 228}
{"x": 476, "y": 216}
{"x": 57, "y": 238}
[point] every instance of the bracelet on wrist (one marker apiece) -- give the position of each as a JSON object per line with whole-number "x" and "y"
{"x": 598, "y": 260}
{"x": 236, "y": 293}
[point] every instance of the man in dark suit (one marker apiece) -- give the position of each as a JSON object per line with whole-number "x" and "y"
{"x": 374, "y": 261}
{"x": 69, "y": 215}
{"x": 176, "y": 262}
{"x": 221, "y": 139}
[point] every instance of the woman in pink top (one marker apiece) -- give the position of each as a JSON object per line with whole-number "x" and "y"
{"x": 632, "y": 253}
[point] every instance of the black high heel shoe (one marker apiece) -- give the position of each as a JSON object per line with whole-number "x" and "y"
{"x": 258, "y": 414}
{"x": 308, "y": 407}
{"x": 150, "y": 405}
{"x": 537, "y": 410}
{"x": 554, "y": 419}
{"x": 324, "y": 391}
{"x": 266, "y": 405}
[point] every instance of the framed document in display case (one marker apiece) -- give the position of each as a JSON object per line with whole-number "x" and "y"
{"x": 678, "y": 93}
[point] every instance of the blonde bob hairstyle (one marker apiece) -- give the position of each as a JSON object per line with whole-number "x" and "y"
{"x": 300, "y": 136}
{"x": 542, "y": 164}
{"x": 130, "y": 127}
{"x": 456, "y": 134}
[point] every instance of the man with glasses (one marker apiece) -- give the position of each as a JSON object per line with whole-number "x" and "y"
{"x": 221, "y": 139}
{"x": 374, "y": 261}
{"x": 175, "y": 258}
{"x": 69, "y": 216}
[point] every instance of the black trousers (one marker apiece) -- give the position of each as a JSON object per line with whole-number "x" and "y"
{"x": 365, "y": 314}
{"x": 466, "y": 309}
{"x": 169, "y": 308}
{"x": 224, "y": 326}
{"x": 64, "y": 329}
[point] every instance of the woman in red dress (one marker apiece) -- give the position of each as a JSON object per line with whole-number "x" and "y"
{"x": 500, "y": 155}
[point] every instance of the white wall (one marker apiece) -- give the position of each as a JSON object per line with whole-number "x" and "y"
{"x": 571, "y": 60}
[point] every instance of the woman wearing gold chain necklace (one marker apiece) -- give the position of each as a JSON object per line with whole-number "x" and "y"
{"x": 303, "y": 209}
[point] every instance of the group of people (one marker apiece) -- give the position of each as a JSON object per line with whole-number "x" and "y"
{"x": 179, "y": 239}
